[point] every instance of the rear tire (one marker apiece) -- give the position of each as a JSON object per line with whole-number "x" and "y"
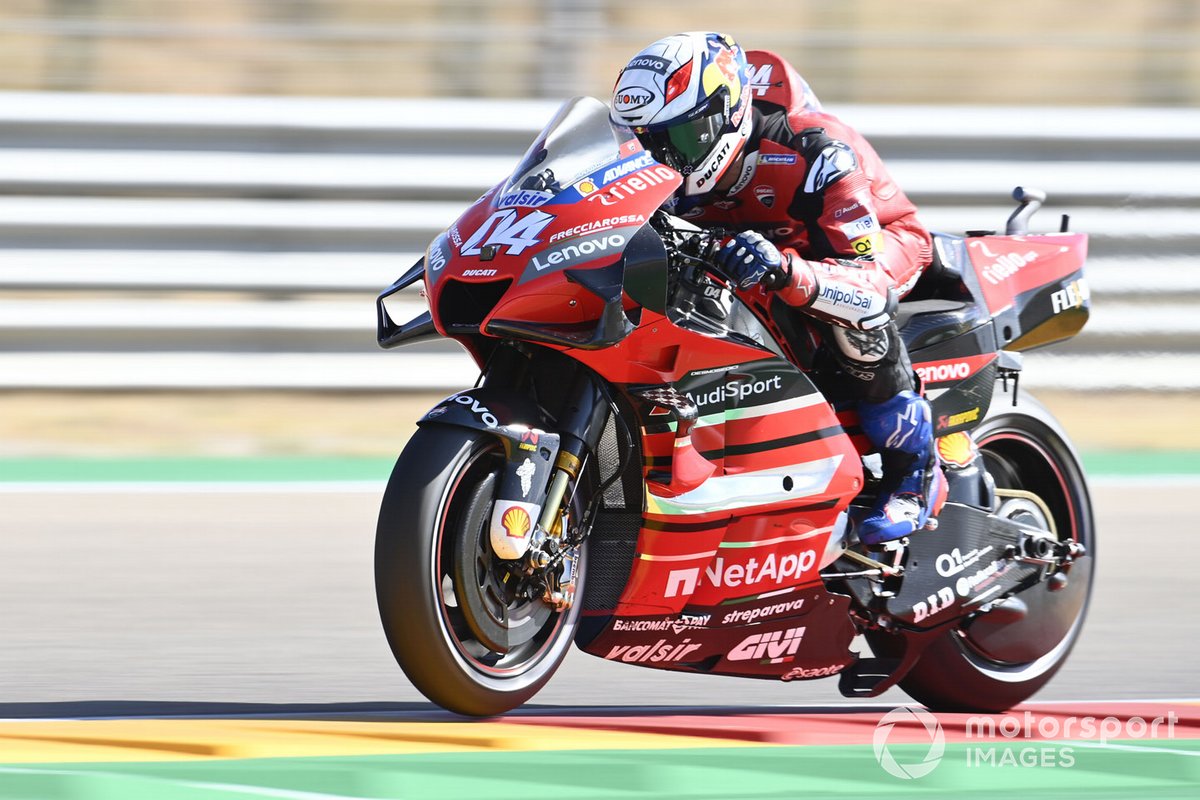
{"x": 431, "y": 552}
{"x": 985, "y": 666}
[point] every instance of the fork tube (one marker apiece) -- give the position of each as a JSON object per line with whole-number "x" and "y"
{"x": 581, "y": 427}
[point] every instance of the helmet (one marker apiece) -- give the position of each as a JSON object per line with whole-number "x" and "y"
{"x": 687, "y": 98}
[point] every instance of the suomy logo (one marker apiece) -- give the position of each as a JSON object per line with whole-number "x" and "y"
{"x": 631, "y": 99}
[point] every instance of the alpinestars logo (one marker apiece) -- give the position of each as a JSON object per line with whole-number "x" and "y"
{"x": 769, "y": 648}
{"x": 907, "y": 423}
{"x": 835, "y": 161}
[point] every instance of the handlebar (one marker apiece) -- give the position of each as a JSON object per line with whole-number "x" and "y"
{"x": 1031, "y": 200}
{"x": 696, "y": 247}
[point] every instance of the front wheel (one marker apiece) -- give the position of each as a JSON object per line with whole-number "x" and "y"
{"x": 472, "y": 634}
{"x": 989, "y": 664}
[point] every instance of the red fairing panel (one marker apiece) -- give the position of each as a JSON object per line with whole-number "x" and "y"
{"x": 705, "y": 547}
{"x": 530, "y": 238}
{"x": 1009, "y": 266}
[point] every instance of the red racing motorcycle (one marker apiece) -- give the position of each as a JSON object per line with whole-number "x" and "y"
{"x": 648, "y": 469}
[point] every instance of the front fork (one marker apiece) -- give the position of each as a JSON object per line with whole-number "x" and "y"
{"x": 551, "y": 543}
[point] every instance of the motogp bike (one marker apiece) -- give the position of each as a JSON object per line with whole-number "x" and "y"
{"x": 651, "y": 469}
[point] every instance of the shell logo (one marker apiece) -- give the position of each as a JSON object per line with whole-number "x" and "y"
{"x": 956, "y": 449}
{"x": 516, "y": 522}
{"x": 586, "y": 186}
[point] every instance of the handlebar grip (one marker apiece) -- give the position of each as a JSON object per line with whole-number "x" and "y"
{"x": 1028, "y": 194}
{"x": 776, "y": 278}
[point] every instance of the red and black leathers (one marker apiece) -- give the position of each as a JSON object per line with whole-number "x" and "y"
{"x": 818, "y": 190}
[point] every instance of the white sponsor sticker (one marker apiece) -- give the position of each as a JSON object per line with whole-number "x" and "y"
{"x": 863, "y": 226}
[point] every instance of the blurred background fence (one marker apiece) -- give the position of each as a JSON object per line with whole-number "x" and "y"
{"x": 171, "y": 218}
{"x": 1077, "y": 52}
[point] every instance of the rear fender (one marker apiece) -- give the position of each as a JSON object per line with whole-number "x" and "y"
{"x": 530, "y": 454}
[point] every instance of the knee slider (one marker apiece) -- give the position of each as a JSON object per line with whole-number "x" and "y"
{"x": 865, "y": 348}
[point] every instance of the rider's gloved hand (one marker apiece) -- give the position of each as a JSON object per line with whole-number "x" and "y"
{"x": 747, "y": 258}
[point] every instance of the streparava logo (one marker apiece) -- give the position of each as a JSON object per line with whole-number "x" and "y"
{"x": 925, "y": 729}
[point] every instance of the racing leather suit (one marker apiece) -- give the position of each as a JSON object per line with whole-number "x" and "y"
{"x": 815, "y": 187}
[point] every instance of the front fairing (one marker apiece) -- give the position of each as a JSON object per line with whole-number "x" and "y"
{"x": 575, "y": 203}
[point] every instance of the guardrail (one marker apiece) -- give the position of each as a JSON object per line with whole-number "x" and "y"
{"x": 170, "y": 242}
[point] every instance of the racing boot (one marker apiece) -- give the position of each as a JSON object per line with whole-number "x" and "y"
{"x": 913, "y": 488}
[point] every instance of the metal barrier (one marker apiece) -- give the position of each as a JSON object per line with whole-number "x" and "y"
{"x": 174, "y": 242}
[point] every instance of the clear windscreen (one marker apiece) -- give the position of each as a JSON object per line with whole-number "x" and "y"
{"x": 578, "y": 141}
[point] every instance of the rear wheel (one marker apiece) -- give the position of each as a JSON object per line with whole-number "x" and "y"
{"x": 470, "y": 632}
{"x": 990, "y": 664}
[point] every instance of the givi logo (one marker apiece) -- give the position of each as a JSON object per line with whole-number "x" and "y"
{"x": 776, "y": 646}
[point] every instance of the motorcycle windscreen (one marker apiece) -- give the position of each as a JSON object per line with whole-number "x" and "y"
{"x": 576, "y": 142}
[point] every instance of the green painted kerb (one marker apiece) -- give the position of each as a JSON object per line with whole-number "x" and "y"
{"x": 1051, "y": 770}
{"x": 377, "y": 468}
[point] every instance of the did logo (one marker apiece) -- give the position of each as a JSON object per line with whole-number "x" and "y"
{"x": 901, "y": 757}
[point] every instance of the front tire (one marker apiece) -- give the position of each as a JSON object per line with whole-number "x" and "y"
{"x": 988, "y": 666}
{"x": 458, "y": 622}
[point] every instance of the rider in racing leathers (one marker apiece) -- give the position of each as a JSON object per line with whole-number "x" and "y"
{"x": 816, "y": 205}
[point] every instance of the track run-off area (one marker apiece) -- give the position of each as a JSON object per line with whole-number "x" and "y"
{"x": 188, "y": 629}
{"x": 1040, "y": 750}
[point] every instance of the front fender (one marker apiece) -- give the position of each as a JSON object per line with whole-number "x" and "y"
{"x": 530, "y": 454}
{"x": 501, "y": 412}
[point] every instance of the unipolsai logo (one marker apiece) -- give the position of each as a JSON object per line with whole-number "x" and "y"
{"x": 906, "y": 764}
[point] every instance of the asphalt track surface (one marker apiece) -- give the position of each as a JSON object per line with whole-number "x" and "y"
{"x": 221, "y": 602}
